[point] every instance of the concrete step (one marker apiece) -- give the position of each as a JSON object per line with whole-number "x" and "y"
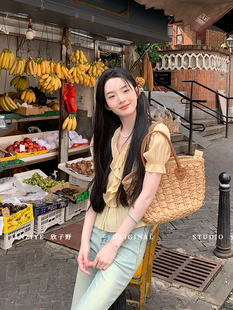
{"x": 205, "y": 122}
{"x": 217, "y": 129}
{"x": 182, "y": 146}
{"x": 177, "y": 137}
{"x": 215, "y": 137}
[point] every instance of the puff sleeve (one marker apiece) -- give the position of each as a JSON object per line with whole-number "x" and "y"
{"x": 159, "y": 151}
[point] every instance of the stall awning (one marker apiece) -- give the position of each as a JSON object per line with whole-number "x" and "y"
{"x": 120, "y": 19}
{"x": 198, "y": 14}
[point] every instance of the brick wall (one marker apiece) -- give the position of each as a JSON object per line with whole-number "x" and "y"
{"x": 211, "y": 78}
{"x": 215, "y": 38}
{"x": 189, "y": 37}
{"x": 211, "y": 37}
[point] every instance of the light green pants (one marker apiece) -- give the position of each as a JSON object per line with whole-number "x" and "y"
{"x": 102, "y": 288}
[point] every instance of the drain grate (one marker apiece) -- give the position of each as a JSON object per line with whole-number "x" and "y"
{"x": 182, "y": 269}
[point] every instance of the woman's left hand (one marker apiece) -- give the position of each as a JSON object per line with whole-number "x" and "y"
{"x": 105, "y": 257}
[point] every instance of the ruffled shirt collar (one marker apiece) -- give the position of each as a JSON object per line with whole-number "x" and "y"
{"x": 117, "y": 167}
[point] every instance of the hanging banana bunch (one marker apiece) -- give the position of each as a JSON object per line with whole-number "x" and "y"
{"x": 18, "y": 66}
{"x": 70, "y": 123}
{"x": 96, "y": 69}
{"x": 58, "y": 71}
{"x": 65, "y": 72}
{"x": 28, "y": 96}
{"x": 38, "y": 61}
{"x": 78, "y": 57}
{"x": 31, "y": 67}
{"x": 6, "y": 59}
{"x": 45, "y": 66}
{"x": 77, "y": 73}
{"x": 52, "y": 65}
{"x": 19, "y": 82}
{"x": 49, "y": 83}
{"x": 7, "y": 104}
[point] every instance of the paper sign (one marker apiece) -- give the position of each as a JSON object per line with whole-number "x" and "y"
{"x": 198, "y": 154}
{"x": 5, "y": 212}
{"x": 2, "y": 122}
{"x": 21, "y": 148}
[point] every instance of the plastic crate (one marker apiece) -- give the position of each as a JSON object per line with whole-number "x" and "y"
{"x": 24, "y": 231}
{"x": 44, "y": 221}
{"x": 78, "y": 182}
{"x": 75, "y": 209}
{"x": 59, "y": 202}
{"x": 18, "y": 219}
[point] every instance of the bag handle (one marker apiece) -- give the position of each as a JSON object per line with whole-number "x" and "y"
{"x": 180, "y": 172}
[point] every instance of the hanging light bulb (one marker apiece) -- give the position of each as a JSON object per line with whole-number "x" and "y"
{"x": 30, "y": 33}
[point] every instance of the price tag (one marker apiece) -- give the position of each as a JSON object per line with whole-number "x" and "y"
{"x": 2, "y": 122}
{"x": 5, "y": 212}
{"x": 21, "y": 148}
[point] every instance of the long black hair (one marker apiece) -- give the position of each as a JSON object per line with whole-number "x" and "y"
{"x": 105, "y": 124}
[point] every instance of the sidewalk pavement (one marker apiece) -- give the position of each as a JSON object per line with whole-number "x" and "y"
{"x": 40, "y": 275}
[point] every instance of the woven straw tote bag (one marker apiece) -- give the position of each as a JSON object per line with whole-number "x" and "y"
{"x": 181, "y": 191}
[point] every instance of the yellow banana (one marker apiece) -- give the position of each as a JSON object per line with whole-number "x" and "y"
{"x": 3, "y": 104}
{"x": 74, "y": 123}
{"x": 69, "y": 125}
{"x": 65, "y": 123}
{"x": 23, "y": 95}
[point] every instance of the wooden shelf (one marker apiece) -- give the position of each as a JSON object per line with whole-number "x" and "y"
{"x": 48, "y": 156}
{"x": 31, "y": 119}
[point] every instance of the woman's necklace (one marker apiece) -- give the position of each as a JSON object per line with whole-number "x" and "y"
{"x": 127, "y": 135}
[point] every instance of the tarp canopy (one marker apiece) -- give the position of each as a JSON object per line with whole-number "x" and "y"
{"x": 198, "y": 14}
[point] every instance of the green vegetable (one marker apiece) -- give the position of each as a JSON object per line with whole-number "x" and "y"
{"x": 45, "y": 184}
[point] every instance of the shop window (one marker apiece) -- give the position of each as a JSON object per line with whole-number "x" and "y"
{"x": 200, "y": 39}
{"x": 175, "y": 32}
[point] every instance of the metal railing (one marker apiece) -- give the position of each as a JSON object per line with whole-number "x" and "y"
{"x": 221, "y": 116}
{"x": 190, "y": 121}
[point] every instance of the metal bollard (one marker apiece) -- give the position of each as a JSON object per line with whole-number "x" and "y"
{"x": 223, "y": 243}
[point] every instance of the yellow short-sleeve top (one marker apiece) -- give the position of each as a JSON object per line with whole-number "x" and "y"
{"x": 156, "y": 157}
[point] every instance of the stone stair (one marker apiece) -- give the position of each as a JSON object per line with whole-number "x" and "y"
{"x": 180, "y": 143}
{"x": 212, "y": 132}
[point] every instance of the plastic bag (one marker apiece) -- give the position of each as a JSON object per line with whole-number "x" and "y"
{"x": 155, "y": 112}
{"x": 176, "y": 125}
{"x": 23, "y": 191}
{"x": 167, "y": 118}
{"x": 6, "y": 184}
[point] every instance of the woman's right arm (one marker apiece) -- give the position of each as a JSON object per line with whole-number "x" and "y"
{"x": 84, "y": 252}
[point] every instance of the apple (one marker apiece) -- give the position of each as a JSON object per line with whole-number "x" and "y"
{"x": 17, "y": 143}
{"x": 27, "y": 140}
{"x": 35, "y": 144}
{"x": 44, "y": 148}
{"x": 30, "y": 144}
{"x": 23, "y": 152}
{"x": 21, "y": 142}
{"x": 25, "y": 144}
{"x": 7, "y": 155}
{"x": 17, "y": 149}
{"x": 10, "y": 147}
{"x": 39, "y": 148}
{"x": 34, "y": 149}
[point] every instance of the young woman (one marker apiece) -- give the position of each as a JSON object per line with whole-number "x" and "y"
{"x": 114, "y": 237}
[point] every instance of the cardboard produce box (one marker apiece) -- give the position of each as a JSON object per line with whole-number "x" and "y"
{"x": 81, "y": 195}
{"x": 35, "y": 110}
{"x": 51, "y": 202}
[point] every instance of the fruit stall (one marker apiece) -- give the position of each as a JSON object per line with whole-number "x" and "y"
{"x": 48, "y": 73}
{"x": 39, "y": 90}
